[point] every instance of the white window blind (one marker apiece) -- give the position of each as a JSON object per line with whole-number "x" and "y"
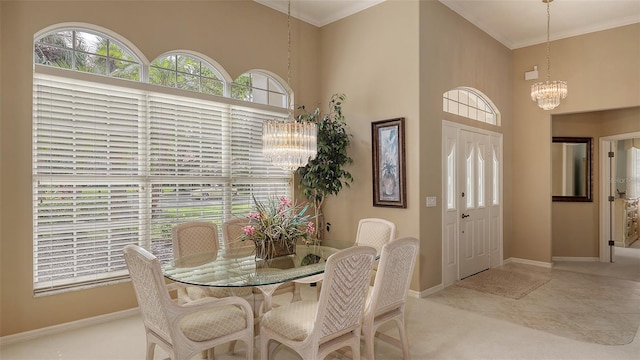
{"x": 113, "y": 165}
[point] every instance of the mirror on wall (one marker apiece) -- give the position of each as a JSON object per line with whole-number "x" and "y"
{"x": 571, "y": 169}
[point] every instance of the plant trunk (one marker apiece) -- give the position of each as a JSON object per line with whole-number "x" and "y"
{"x": 317, "y": 207}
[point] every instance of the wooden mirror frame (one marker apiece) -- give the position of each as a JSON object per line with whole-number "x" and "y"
{"x": 588, "y": 197}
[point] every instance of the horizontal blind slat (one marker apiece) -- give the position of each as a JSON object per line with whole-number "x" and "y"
{"x": 114, "y": 166}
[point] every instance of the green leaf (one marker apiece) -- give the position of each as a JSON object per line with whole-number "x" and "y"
{"x": 325, "y": 175}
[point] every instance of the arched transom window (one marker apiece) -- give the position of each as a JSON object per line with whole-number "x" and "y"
{"x": 259, "y": 87}
{"x": 87, "y": 51}
{"x": 187, "y": 72}
{"x": 472, "y": 104}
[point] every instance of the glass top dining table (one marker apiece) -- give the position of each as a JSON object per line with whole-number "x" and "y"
{"x": 239, "y": 267}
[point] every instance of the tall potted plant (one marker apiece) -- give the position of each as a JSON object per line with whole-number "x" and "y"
{"x": 325, "y": 175}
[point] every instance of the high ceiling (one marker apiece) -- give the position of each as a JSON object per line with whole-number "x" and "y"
{"x": 515, "y": 23}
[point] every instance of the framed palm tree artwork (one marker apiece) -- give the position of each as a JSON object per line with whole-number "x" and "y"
{"x": 389, "y": 180}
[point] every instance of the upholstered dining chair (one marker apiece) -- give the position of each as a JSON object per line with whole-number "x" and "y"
{"x": 315, "y": 328}
{"x": 198, "y": 237}
{"x": 232, "y": 231}
{"x": 231, "y": 236}
{"x": 193, "y": 238}
{"x": 184, "y": 330}
{"x": 387, "y": 299}
{"x": 375, "y": 232}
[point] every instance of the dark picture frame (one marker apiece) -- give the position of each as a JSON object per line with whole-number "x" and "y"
{"x": 388, "y": 156}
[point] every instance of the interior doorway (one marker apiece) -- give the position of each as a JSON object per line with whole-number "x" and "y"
{"x": 620, "y": 194}
{"x": 472, "y": 201}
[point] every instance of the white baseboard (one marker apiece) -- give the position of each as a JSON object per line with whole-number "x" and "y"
{"x": 529, "y": 262}
{"x": 55, "y": 329}
{"x": 427, "y": 292}
{"x": 567, "y": 258}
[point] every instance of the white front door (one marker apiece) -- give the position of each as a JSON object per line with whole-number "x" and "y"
{"x": 475, "y": 220}
{"x": 472, "y": 201}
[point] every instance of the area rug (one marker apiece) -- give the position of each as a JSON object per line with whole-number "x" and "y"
{"x": 509, "y": 284}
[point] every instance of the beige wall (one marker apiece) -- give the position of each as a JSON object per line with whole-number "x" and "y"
{"x": 602, "y": 73}
{"x": 217, "y": 29}
{"x": 372, "y": 57}
{"x": 575, "y": 225}
{"x": 396, "y": 60}
{"x": 454, "y": 53}
{"x": 392, "y": 60}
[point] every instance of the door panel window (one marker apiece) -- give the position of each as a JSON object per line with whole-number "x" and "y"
{"x": 470, "y": 186}
{"x": 480, "y": 177}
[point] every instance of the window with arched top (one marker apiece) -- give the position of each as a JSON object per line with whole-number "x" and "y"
{"x": 187, "y": 72}
{"x": 260, "y": 88}
{"x": 472, "y": 104}
{"x": 118, "y": 162}
{"x": 87, "y": 51}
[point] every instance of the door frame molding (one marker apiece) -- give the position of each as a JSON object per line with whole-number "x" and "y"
{"x": 605, "y": 178}
{"x": 458, "y": 127}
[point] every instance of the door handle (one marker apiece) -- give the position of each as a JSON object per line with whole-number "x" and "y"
{"x": 465, "y": 215}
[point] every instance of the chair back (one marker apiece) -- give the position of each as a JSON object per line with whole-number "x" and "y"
{"x": 393, "y": 277}
{"x": 375, "y": 232}
{"x": 232, "y": 232}
{"x": 344, "y": 289}
{"x": 194, "y": 237}
{"x": 149, "y": 286}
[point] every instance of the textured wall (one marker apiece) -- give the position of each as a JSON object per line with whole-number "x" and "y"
{"x": 218, "y": 29}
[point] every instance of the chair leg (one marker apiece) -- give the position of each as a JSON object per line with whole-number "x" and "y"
{"x": 151, "y": 347}
{"x": 355, "y": 348}
{"x": 250, "y": 347}
{"x": 264, "y": 349}
{"x": 403, "y": 339}
{"x": 296, "y": 292}
{"x": 232, "y": 347}
{"x": 368, "y": 335}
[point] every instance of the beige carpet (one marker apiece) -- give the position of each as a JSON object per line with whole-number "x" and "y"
{"x": 509, "y": 284}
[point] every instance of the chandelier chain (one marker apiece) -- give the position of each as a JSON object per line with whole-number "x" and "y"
{"x": 289, "y": 57}
{"x": 548, "y": 42}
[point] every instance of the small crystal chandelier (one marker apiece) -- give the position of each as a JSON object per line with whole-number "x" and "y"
{"x": 289, "y": 144}
{"x": 548, "y": 94}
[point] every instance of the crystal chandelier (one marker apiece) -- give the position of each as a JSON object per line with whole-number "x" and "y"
{"x": 289, "y": 144}
{"x": 548, "y": 94}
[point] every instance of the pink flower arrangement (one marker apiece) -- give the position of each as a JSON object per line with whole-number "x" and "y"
{"x": 248, "y": 230}
{"x": 278, "y": 220}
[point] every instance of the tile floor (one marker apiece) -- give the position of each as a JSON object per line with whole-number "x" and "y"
{"x": 436, "y": 330}
{"x": 584, "y": 307}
